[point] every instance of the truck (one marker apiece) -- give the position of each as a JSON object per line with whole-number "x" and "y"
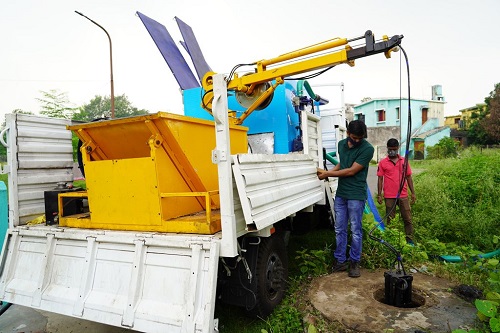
{"x": 178, "y": 210}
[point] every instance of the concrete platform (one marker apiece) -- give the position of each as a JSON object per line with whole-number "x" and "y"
{"x": 358, "y": 304}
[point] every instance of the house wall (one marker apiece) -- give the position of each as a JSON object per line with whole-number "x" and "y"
{"x": 378, "y": 137}
{"x": 466, "y": 114}
{"x": 452, "y": 121}
{"x": 392, "y": 127}
{"x": 369, "y": 110}
{"x": 429, "y": 125}
{"x": 436, "y": 110}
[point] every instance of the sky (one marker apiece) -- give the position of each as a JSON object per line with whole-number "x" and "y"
{"x": 46, "y": 46}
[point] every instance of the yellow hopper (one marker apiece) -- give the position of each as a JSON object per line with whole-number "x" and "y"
{"x": 151, "y": 173}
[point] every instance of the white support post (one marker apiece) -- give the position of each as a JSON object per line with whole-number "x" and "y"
{"x": 222, "y": 157}
{"x": 12, "y": 168}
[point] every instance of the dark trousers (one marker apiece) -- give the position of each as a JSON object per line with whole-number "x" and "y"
{"x": 404, "y": 210}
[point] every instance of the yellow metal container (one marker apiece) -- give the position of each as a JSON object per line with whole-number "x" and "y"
{"x": 151, "y": 173}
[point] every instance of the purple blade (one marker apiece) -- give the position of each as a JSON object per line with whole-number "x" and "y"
{"x": 193, "y": 48}
{"x": 176, "y": 62}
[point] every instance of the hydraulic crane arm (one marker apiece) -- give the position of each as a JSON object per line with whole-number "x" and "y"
{"x": 254, "y": 90}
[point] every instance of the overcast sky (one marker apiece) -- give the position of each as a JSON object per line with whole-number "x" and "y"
{"x": 45, "y": 45}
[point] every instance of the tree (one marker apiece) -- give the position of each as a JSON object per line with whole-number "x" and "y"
{"x": 100, "y": 107}
{"x": 476, "y": 133}
{"x": 55, "y": 104}
{"x": 484, "y": 128}
{"x": 491, "y": 122}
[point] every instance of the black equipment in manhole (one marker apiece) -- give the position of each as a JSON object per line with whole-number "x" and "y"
{"x": 398, "y": 291}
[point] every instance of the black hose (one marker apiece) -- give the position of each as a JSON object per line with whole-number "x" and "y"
{"x": 397, "y": 253}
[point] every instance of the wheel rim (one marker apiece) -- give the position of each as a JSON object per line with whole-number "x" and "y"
{"x": 274, "y": 275}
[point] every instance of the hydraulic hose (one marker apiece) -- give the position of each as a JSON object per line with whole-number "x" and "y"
{"x": 331, "y": 159}
{"x": 301, "y": 84}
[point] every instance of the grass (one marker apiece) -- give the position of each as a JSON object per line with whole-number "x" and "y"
{"x": 4, "y": 178}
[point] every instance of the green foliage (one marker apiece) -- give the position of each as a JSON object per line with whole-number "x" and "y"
{"x": 4, "y": 178}
{"x": 313, "y": 262}
{"x": 488, "y": 311}
{"x": 484, "y": 128}
{"x": 285, "y": 318}
{"x": 458, "y": 200}
{"x": 74, "y": 143}
{"x": 377, "y": 252}
{"x": 491, "y": 124}
{"x": 315, "y": 240}
{"x": 100, "y": 107}
{"x": 476, "y": 134}
{"x": 446, "y": 147}
{"x": 55, "y": 104}
{"x": 80, "y": 183}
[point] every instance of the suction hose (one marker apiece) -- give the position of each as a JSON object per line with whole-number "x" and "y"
{"x": 301, "y": 84}
{"x": 479, "y": 256}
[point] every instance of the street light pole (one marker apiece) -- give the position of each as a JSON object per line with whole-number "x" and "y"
{"x": 110, "y": 64}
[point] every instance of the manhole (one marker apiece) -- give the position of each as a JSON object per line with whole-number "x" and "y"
{"x": 417, "y": 298}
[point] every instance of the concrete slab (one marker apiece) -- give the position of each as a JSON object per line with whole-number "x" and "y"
{"x": 357, "y": 303}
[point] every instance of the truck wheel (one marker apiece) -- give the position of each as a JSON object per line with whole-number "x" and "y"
{"x": 271, "y": 274}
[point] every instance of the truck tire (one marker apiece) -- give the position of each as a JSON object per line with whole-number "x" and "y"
{"x": 271, "y": 274}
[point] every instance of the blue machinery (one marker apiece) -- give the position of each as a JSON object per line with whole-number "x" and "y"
{"x": 280, "y": 118}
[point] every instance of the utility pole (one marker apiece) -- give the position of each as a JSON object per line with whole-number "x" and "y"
{"x": 110, "y": 64}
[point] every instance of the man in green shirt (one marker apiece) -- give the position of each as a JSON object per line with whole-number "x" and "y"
{"x": 355, "y": 154}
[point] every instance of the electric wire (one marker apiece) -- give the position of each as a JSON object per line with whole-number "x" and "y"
{"x": 310, "y": 76}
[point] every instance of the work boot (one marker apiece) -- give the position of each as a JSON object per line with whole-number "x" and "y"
{"x": 340, "y": 266}
{"x": 354, "y": 269}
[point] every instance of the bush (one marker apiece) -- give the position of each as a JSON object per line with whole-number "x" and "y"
{"x": 458, "y": 200}
{"x": 446, "y": 147}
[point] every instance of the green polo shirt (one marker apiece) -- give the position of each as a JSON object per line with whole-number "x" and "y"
{"x": 354, "y": 187}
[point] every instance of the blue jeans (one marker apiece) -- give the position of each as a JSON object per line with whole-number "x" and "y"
{"x": 345, "y": 211}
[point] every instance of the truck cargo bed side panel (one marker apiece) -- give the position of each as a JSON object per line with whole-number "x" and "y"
{"x": 147, "y": 282}
{"x": 39, "y": 155}
{"x": 271, "y": 187}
